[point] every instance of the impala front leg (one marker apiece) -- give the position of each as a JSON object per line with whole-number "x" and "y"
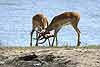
{"x": 56, "y": 40}
{"x": 31, "y": 37}
{"x": 49, "y": 42}
{"x": 55, "y": 36}
{"x": 78, "y": 41}
{"x": 53, "y": 41}
{"x": 36, "y": 38}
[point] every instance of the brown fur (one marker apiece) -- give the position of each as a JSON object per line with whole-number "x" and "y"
{"x": 62, "y": 19}
{"x": 67, "y": 16}
{"x": 38, "y": 21}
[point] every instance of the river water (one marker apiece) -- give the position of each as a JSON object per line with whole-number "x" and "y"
{"x": 15, "y": 20}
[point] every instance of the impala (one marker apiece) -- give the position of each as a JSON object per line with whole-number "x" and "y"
{"x": 39, "y": 23}
{"x": 61, "y": 20}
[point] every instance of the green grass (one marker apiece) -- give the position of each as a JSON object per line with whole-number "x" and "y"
{"x": 63, "y": 46}
{"x": 91, "y": 46}
{"x": 87, "y": 47}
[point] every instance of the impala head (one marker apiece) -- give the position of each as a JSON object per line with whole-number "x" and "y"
{"x": 39, "y": 21}
{"x": 44, "y": 35}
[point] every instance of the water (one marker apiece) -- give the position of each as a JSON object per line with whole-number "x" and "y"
{"x": 15, "y": 20}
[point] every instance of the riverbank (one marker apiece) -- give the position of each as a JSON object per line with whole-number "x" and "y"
{"x": 49, "y": 57}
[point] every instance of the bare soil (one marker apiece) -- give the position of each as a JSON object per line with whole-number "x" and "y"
{"x": 49, "y": 57}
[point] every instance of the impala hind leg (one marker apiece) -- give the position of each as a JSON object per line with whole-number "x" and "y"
{"x": 78, "y": 41}
{"x": 75, "y": 26}
{"x": 78, "y": 33}
{"x": 31, "y": 38}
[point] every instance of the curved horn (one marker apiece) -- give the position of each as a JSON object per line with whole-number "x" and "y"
{"x": 38, "y": 38}
{"x": 45, "y": 37}
{"x": 43, "y": 41}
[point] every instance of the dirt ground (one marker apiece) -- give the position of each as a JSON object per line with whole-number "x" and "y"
{"x": 51, "y": 57}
